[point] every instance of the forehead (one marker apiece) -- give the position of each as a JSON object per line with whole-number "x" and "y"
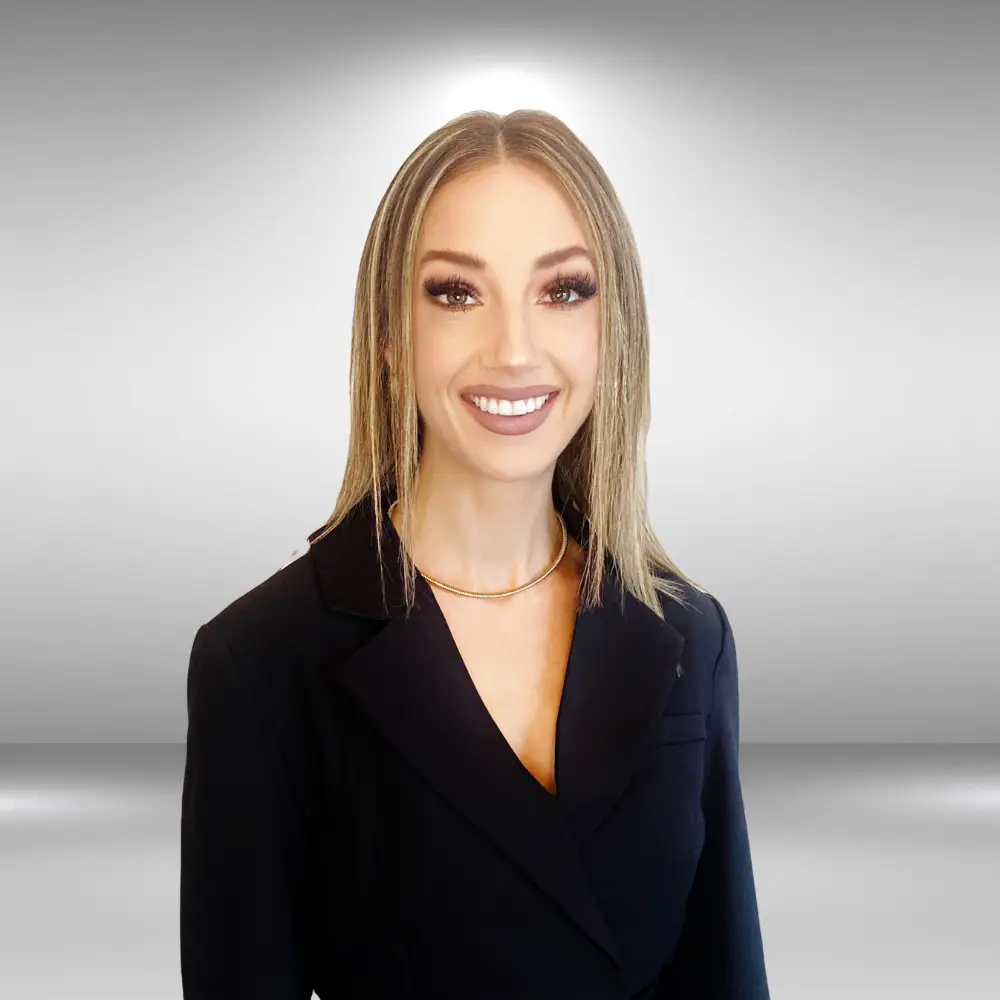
{"x": 501, "y": 208}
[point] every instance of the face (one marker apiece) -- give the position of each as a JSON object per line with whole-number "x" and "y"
{"x": 492, "y": 336}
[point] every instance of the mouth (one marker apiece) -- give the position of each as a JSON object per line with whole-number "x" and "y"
{"x": 509, "y": 417}
{"x": 510, "y": 407}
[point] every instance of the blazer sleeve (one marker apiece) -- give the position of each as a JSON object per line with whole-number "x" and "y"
{"x": 243, "y": 872}
{"x": 720, "y": 954}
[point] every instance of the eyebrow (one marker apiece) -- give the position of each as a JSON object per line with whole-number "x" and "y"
{"x": 471, "y": 260}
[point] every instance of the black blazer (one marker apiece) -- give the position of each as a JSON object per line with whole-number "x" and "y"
{"x": 355, "y": 824}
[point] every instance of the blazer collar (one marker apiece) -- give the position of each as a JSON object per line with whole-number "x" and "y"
{"x": 410, "y": 681}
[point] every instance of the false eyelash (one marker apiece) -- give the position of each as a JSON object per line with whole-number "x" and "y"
{"x": 580, "y": 282}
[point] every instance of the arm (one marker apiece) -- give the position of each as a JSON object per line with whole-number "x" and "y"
{"x": 720, "y": 954}
{"x": 244, "y": 872}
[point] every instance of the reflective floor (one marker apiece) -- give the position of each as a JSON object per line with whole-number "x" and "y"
{"x": 877, "y": 869}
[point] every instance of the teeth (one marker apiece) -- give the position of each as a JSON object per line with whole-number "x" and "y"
{"x": 509, "y": 408}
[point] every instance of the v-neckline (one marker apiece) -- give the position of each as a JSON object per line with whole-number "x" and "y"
{"x": 554, "y": 797}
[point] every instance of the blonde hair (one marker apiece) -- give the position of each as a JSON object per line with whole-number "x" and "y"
{"x": 602, "y": 471}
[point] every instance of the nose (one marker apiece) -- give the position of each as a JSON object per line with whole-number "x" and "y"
{"x": 513, "y": 336}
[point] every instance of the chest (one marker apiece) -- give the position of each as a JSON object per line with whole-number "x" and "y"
{"x": 516, "y": 656}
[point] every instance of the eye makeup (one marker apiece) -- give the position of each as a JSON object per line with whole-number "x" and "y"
{"x": 580, "y": 282}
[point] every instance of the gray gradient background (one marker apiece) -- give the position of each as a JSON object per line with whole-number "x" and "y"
{"x": 185, "y": 189}
{"x": 814, "y": 189}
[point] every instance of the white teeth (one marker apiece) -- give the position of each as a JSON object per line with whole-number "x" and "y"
{"x": 509, "y": 408}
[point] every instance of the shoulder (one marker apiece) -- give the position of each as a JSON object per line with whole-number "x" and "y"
{"x": 699, "y": 616}
{"x": 257, "y": 681}
{"x": 698, "y": 610}
{"x": 263, "y": 617}
{"x": 269, "y": 637}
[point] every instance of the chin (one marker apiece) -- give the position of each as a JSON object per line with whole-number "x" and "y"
{"x": 512, "y": 468}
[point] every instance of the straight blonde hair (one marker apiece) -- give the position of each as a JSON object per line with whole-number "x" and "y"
{"x": 602, "y": 471}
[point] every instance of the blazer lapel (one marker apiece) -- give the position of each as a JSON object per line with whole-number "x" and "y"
{"x": 410, "y": 681}
{"x": 621, "y": 670}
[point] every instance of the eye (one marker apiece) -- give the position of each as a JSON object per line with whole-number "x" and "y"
{"x": 580, "y": 283}
{"x": 454, "y": 287}
{"x": 565, "y": 290}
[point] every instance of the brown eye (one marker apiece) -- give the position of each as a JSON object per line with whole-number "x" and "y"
{"x": 580, "y": 283}
{"x": 559, "y": 292}
{"x": 452, "y": 288}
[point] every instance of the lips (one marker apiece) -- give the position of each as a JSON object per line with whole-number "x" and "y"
{"x": 522, "y": 423}
{"x": 510, "y": 393}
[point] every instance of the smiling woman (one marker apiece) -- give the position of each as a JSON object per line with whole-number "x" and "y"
{"x": 523, "y": 322}
{"x": 501, "y": 266}
{"x": 483, "y": 740}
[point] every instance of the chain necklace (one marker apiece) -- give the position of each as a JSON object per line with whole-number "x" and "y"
{"x": 503, "y": 593}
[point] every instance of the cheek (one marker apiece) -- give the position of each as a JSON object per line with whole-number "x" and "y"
{"x": 436, "y": 365}
{"x": 581, "y": 361}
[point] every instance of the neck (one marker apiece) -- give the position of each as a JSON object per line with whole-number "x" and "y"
{"x": 481, "y": 534}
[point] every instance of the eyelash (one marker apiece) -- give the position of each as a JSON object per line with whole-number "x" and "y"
{"x": 579, "y": 281}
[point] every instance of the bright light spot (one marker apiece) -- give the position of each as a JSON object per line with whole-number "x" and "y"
{"x": 27, "y": 805}
{"x": 21, "y": 805}
{"x": 981, "y": 798}
{"x": 945, "y": 797}
{"x": 502, "y": 85}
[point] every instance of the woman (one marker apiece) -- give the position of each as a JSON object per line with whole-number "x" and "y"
{"x": 482, "y": 739}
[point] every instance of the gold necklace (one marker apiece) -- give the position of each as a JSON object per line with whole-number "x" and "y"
{"x": 503, "y": 593}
